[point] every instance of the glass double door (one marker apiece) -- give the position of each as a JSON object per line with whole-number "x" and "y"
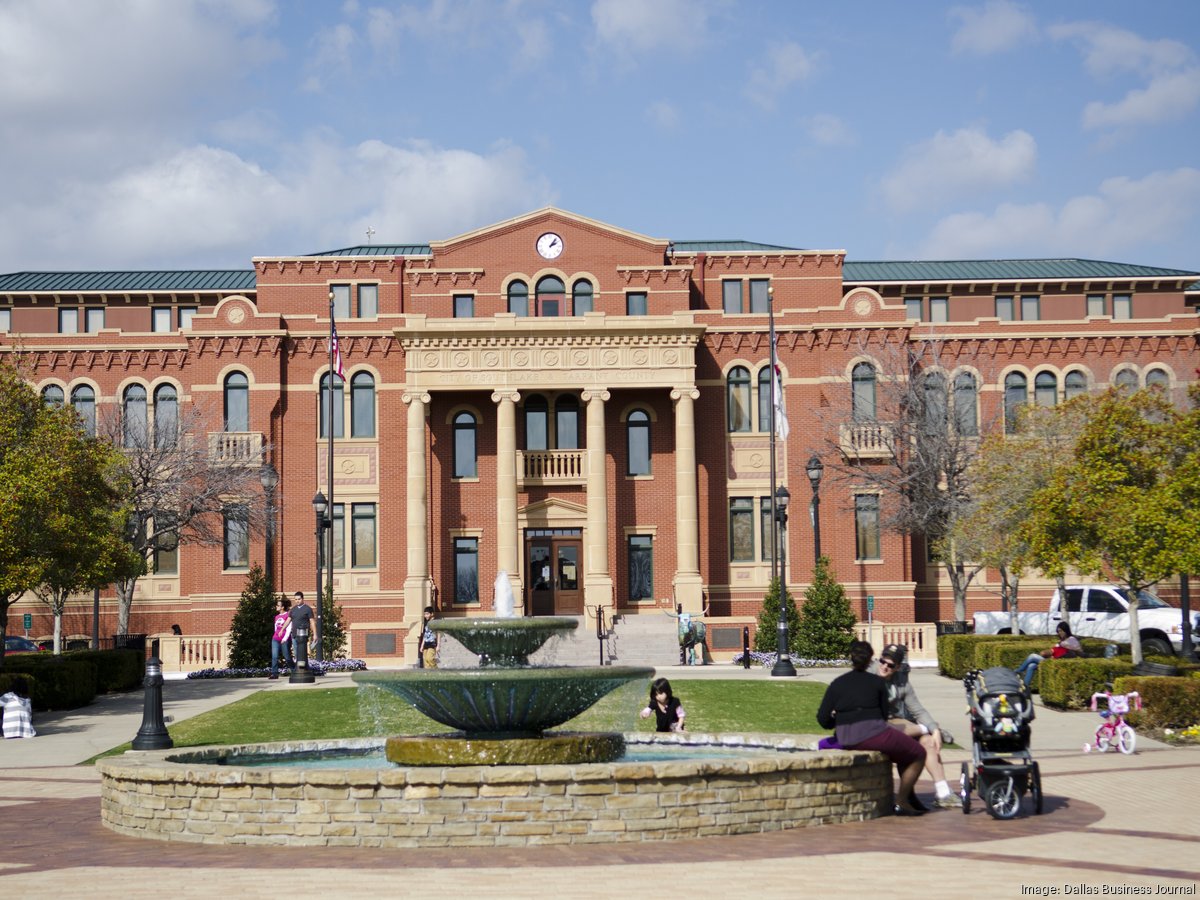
{"x": 553, "y": 564}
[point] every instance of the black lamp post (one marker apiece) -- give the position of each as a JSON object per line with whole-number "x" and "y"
{"x": 324, "y": 521}
{"x": 783, "y": 664}
{"x": 270, "y": 479}
{"x": 815, "y": 470}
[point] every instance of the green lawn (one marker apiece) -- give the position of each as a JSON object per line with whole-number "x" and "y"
{"x": 786, "y": 707}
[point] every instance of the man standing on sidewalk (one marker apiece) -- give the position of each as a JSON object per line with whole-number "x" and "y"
{"x": 302, "y": 616}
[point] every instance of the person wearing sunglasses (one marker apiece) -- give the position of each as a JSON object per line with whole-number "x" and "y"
{"x": 855, "y": 706}
{"x": 908, "y": 715}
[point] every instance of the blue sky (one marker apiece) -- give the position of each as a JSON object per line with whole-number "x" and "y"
{"x": 200, "y": 133}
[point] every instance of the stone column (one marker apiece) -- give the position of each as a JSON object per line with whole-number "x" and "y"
{"x": 417, "y": 594}
{"x": 507, "y": 538}
{"x": 689, "y": 590}
{"x": 597, "y": 579}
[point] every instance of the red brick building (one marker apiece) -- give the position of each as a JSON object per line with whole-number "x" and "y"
{"x": 581, "y": 406}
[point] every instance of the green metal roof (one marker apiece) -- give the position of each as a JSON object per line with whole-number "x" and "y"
{"x": 1001, "y": 270}
{"x": 1193, "y": 287}
{"x": 726, "y": 247}
{"x": 124, "y": 282}
{"x": 378, "y": 250}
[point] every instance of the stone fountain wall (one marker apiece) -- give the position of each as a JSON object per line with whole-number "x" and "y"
{"x": 190, "y": 796}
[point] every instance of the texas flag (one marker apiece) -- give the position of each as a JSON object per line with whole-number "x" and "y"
{"x": 336, "y": 348}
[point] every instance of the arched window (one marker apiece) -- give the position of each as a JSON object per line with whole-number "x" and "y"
{"x": 362, "y": 405}
{"x": 52, "y": 395}
{"x": 237, "y": 402}
{"x": 862, "y": 396}
{"x": 1045, "y": 389}
{"x": 1127, "y": 381}
{"x": 166, "y": 416}
{"x": 1016, "y": 395}
{"x": 966, "y": 404}
{"x": 566, "y": 422}
{"x": 738, "y": 393}
{"x": 537, "y": 424}
{"x": 465, "y": 458}
{"x": 83, "y": 398}
{"x": 1074, "y": 384}
{"x": 637, "y": 440}
{"x": 338, "y": 413}
{"x": 581, "y": 297}
{"x": 134, "y": 418}
{"x": 518, "y": 298}
{"x": 764, "y": 398}
{"x": 1158, "y": 378}
{"x": 935, "y": 403}
{"x": 551, "y": 296}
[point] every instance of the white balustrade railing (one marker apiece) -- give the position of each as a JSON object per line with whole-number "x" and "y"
{"x": 552, "y": 466}
{"x": 919, "y": 637}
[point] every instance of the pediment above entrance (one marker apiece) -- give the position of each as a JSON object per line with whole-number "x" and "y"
{"x": 552, "y": 513}
{"x": 518, "y": 237}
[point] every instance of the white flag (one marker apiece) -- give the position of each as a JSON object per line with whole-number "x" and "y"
{"x": 782, "y": 429}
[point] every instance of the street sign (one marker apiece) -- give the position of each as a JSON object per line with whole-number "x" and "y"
{"x": 28, "y": 621}
{"x": 870, "y": 603}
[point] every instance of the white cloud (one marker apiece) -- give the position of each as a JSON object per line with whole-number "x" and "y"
{"x": 203, "y": 204}
{"x": 785, "y": 64}
{"x": 828, "y": 130}
{"x": 1124, "y": 215}
{"x": 664, "y": 115}
{"x": 1169, "y": 68}
{"x": 998, "y": 26}
{"x": 635, "y": 27}
{"x": 951, "y": 165}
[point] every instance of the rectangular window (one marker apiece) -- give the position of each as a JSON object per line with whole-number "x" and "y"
{"x": 160, "y": 318}
{"x": 237, "y": 537}
{"x": 731, "y": 297}
{"x": 866, "y": 526}
{"x": 641, "y": 567}
{"x": 93, "y": 318}
{"x": 1095, "y": 304}
{"x": 368, "y": 301}
{"x": 341, "y": 300}
{"x": 1030, "y": 308}
{"x": 760, "y": 295}
{"x": 635, "y": 303}
{"x": 166, "y": 546}
{"x": 1122, "y": 306}
{"x": 939, "y": 309}
{"x": 363, "y": 533}
{"x": 764, "y": 518}
{"x": 741, "y": 529}
{"x": 912, "y": 308}
{"x": 68, "y": 320}
{"x": 466, "y": 570}
{"x": 185, "y": 317}
{"x": 338, "y": 530}
{"x": 1004, "y": 309}
{"x": 5, "y": 320}
{"x": 464, "y": 306}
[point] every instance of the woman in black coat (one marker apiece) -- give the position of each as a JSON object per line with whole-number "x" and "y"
{"x": 855, "y": 706}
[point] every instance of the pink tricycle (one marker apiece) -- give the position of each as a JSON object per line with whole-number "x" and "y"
{"x": 1114, "y": 730}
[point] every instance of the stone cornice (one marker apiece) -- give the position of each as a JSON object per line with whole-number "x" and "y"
{"x": 333, "y": 265}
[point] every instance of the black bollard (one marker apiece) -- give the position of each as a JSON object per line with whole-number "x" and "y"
{"x": 153, "y": 733}
{"x": 301, "y": 674}
{"x": 745, "y": 646}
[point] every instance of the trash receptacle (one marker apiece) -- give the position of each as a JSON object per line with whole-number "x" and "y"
{"x": 129, "y": 642}
{"x": 951, "y": 628}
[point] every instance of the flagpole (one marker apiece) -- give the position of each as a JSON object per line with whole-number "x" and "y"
{"x": 783, "y": 663}
{"x": 328, "y": 487}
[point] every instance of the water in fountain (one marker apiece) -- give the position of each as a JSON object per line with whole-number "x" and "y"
{"x": 503, "y": 708}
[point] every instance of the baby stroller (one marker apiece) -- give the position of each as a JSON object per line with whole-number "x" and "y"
{"x": 1001, "y": 768}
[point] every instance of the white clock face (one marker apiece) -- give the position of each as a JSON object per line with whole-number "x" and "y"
{"x": 549, "y": 245}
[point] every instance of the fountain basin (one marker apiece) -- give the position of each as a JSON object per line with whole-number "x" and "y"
{"x": 775, "y": 782}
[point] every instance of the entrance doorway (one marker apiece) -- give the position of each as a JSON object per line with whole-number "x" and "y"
{"x": 554, "y": 558}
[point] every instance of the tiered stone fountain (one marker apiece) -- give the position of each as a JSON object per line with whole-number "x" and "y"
{"x": 502, "y": 781}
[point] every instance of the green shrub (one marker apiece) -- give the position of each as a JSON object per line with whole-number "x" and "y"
{"x": 1167, "y": 702}
{"x": 826, "y": 625}
{"x": 117, "y": 671}
{"x": 960, "y": 653}
{"x": 766, "y": 637}
{"x": 253, "y": 623}
{"x": 59, "y": 682}
{"x": 1070, "y": 683}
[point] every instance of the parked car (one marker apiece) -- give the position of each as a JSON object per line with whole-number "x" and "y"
{"x": 14, "y": 643}
{"x": 1099, "y": 611}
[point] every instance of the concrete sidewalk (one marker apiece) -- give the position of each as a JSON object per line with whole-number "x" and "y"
{"x": 1112, "y": 824}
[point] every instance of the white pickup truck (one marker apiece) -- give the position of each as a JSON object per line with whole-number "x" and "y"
{"x": 1099, "y": 611}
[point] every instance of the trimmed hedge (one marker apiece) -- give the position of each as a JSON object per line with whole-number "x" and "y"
{"x": 59, "y": 682}
{"x": 1167, "y": 702}
{"x": 117, "y": 671}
